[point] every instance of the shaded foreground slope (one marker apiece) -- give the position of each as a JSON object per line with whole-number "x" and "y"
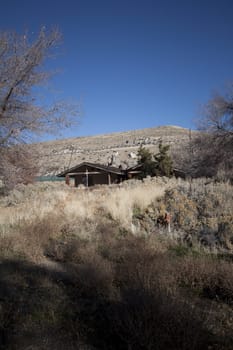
{"x": 91, "y": 269}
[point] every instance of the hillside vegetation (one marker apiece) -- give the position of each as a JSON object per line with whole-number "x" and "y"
{"x": 120, "y": 148}
{"x": 91, "y": 269}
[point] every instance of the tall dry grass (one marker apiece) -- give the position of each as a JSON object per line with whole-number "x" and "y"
{"x": 74, "y": 204}
{"x": 200, "y": 208}
{"x": 33, "y": 215}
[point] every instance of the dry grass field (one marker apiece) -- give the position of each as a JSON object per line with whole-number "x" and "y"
{"x": 91, "y": 269}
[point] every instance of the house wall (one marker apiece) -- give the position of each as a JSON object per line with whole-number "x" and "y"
{"x": 96, "y": 179}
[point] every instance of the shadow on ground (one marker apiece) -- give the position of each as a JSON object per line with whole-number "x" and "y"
{"x": 83, "y": 307}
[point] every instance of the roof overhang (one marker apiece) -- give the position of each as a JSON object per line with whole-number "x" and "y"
{"x": 99, "y": 169}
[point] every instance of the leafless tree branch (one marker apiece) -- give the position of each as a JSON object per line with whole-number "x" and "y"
{"x": 21, "y": 70}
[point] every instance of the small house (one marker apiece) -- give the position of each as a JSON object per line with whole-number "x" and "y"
{"x": 90, "y": 174}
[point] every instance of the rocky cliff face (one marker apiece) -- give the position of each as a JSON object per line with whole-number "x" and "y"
{"x": 110, "y": 149}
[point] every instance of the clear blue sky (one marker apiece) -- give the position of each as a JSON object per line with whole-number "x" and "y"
{"x": 134, "y": 64}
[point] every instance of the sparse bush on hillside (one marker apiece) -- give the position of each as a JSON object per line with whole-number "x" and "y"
{"x": 203, "y": 209}
{"x": 201, "y": 212}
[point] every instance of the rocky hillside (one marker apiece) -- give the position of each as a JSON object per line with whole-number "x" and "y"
{"x": 113, "y": 149}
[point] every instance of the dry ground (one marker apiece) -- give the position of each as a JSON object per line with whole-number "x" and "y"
{"x": 90, "y": 269}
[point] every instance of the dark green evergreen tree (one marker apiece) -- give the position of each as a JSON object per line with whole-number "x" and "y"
{"x": 145, "y": 158}
{"x": 159, "y": 164}
{"x": 163, "y": 161}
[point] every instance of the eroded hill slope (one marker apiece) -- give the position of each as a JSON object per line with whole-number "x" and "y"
{"x": 115, "y": 149}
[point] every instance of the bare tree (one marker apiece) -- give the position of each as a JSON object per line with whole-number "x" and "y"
{"x": 211, "y": 151}
{"x": 22, "y": 115}
{"x": 17, "y": 165}
{"x": 218, "y": 115}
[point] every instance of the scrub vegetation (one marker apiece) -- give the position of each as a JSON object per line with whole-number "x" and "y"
{"x": 91, "y": 269}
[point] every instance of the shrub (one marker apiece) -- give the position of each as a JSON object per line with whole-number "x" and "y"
{"x": 208, "y": 277}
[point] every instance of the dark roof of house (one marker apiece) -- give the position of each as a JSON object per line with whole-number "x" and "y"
{"x": 105, "y": 168}
{"x": 111, "y": 169}
{"x": 179, "y": 172}
{"x": 135, "y": 167}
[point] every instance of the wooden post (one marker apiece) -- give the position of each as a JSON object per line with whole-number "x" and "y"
{"x": 67, "y": 180}
{"x": 86, "y": 177}
{"x": 109, "y": 178}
